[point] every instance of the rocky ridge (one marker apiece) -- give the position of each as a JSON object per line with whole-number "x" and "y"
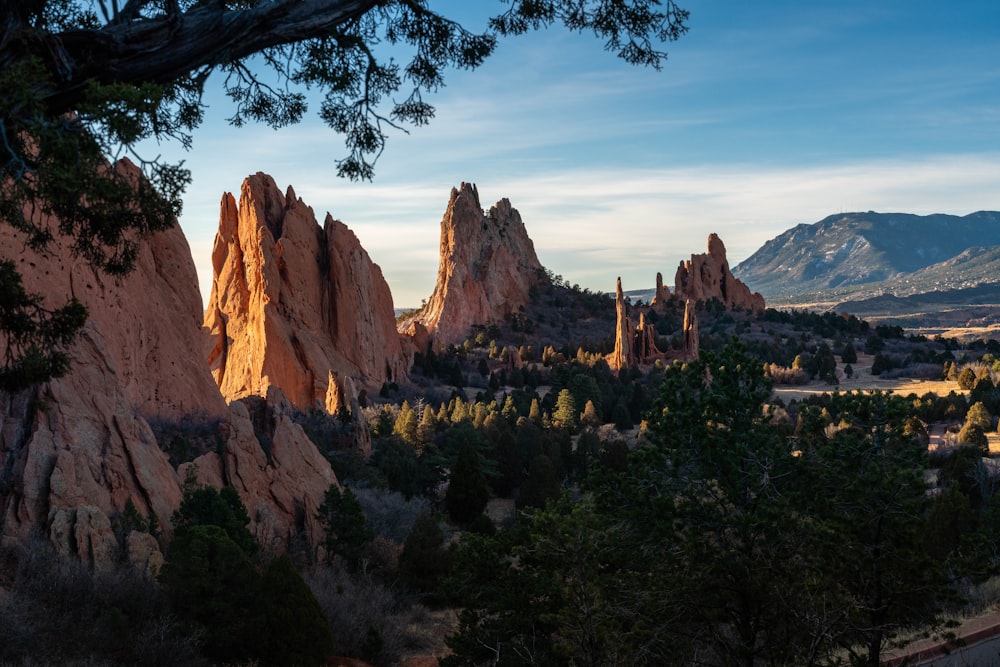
{"x": 294, "y": 304}
{"x": 707, "y": 276}
{"x": 75, "y": 452}
{"x": 487, "y": 269}
{"x": 852, "y": 255}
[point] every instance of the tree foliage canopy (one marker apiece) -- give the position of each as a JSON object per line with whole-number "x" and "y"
{"x": 86, "y": 81}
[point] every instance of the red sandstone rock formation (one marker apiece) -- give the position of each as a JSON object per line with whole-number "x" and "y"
{"x": 662, "y": 294}
{"x": 623, "y": 355}
{"x": 488, "y": 265}
{"x": 632, "y": 345}
{"x": 645, "y": 342}
{"x": 342, "y": 394}
{"x": 690, "y": 345}
{"x": 75, "y": 451}
{"x": 282, "y": 488}
{"x": 707, "y": 276}
{"x": 292, "y": 302}
{"x": 77, "y": 461}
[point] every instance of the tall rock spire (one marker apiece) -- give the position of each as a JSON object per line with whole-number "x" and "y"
{"x": 292, "y": 302}
{"x": 487, "y": 268}
{"x": 623, "y": 356}
{"x": 662, "y": 292}
{"x": 689, "y": 347}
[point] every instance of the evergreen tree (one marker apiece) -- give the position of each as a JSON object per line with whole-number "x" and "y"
{"x": 509, "y": 410}
{"x": 967, "y": 378}
{"x": 868, "y": 491}
{"x": 880, "y": 364}
{"x": 468, "y": 490}
{"x": 460, "y": 412}
{"x": 427, "y": 426}
{"x": 541, "y": 485}
{"x": 849, "y": 355}
{"x": 535, "y": 412}
{"x": 424, "y": 559}
{"x": 347, "y": 534}
{"x": 589, "y": 416}
{"x": 406, "y": 424}
{"x": 565, "y": 412}
{"x": 972, "y": 434}
{"x": 980, "y": 416}
{"x": 620, "y": 416}
{"x": 213, "y": 587}
{"x": 204, "y": 506}
{"x": 289, "y": 627}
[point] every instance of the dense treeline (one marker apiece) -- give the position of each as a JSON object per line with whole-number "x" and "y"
{"x": 732, "y": 536}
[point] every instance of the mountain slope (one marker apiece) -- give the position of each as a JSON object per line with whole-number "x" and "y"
{"x": 850, "y": 250}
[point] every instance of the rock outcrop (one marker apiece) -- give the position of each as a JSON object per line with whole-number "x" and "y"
{"x": 75, "y": 452}
{"x": 283, "y": 487}
{"x": 623, "y": 356}
{"x": 690, "y": 341}
{"x": 645, "y": 341}
{"x": 707, "y": 276}
{"x": 662, "y": 294}
{"x": 488, "y": 266}
{"x": 633, "y": 345}
{"x": 292, "y": 302}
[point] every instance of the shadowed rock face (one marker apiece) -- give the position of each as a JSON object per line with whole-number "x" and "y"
{"x": 707, "y": 276}
{"x": 488, "y": 266}
{"x": 292, "y": 302}
{"x": 75, "y": 451}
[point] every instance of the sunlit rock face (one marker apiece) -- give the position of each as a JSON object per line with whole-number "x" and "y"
{"x": 623, "y": 355}
{"x": 707, "y": 276}
{"x": 293, "y": 303}
{"x": 487, "y": 268}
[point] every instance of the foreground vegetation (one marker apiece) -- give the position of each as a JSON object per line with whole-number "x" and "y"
{"x": 563, "y": 514}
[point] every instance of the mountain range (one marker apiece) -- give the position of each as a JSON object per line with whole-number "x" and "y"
{"x": 909, "y": 261}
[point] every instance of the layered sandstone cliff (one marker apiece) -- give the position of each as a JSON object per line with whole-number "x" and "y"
{"x": 76, "y": 451}
{"x": 488, "y": 267}
{"x": 707, "y": 276}
{"x": 294, "y": 304}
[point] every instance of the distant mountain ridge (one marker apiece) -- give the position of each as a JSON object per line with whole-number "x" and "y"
{"x": 851, "y": 255}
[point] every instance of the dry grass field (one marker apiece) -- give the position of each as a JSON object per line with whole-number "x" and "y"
{"x": 863, "y": 380}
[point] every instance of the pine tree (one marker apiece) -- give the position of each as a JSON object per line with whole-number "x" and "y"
{"x": 535, "y": 411}
{"x": 347, "y": 533}
{"x": 849, "y": 355}
{"x": 589, "y": 416}
{"x": 565, "y": 413}
{"x": 289, "y": 627}
{"x": 541, "y": 485}
{"x": 427, "y": 426}
{"x": 406, "y": 424}
{"x": 468, "y": 490}
{"x": 424, "y": 559}
{"x": 460, "y": 413}
{"x": 980, "y": 416}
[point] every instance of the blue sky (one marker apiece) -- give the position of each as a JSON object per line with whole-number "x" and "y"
{"x": 766, "y": 115}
